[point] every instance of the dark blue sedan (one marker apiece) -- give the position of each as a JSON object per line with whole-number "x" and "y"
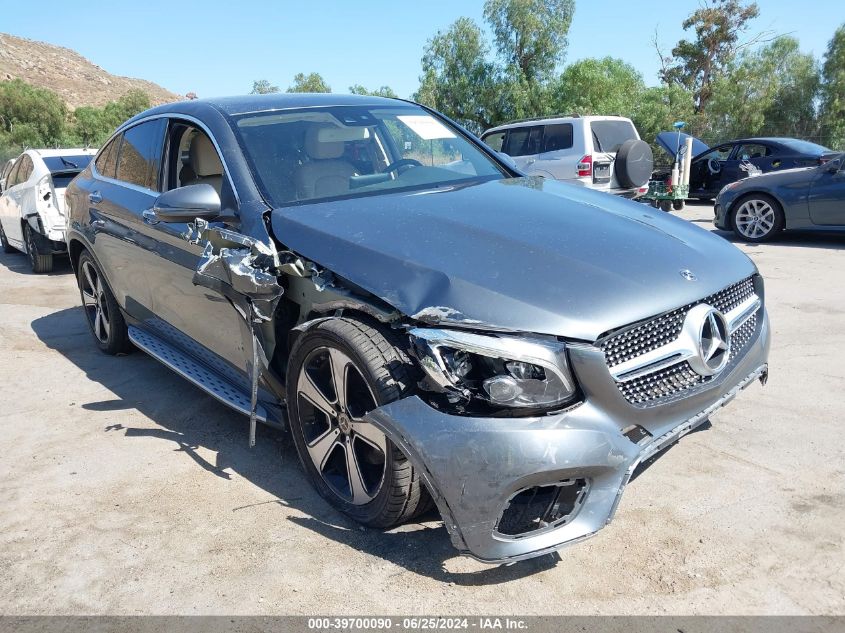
{"x": 760, "y": 207}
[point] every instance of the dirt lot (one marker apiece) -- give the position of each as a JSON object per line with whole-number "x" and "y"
{"x": 125, "y": 490}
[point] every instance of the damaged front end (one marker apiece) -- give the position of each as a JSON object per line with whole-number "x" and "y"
{"x": 525, "y": 466}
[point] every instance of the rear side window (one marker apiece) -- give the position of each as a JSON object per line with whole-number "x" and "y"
{"x": 608, "y": 136}
{"x": 523, "y": 141}
{"x": 752, "y": 150}
{"x": 25, "y": 169}
{"x": 107, "y": 160}
{"x": 139, "y": 160}
{"x": 557, "y": 137}
{"x": 495, "y": 140}
{"x": 12, "y": 180}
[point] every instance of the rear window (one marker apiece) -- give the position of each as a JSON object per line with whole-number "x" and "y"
{"x": 608, "y": 136}
{"x": 58, "y": 164}
{"x": 804, "y": 147}
{"x": 557, "y": 137}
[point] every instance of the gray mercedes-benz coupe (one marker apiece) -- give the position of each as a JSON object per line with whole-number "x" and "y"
{"x": 429, "y": 324}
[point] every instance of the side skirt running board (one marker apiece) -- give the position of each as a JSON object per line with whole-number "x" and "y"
{"x": 195, "y": 372}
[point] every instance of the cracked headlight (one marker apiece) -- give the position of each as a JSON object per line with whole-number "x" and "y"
{"x": 505, "y": 371}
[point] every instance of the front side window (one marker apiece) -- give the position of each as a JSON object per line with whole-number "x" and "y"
{"x": 720, "y": 153}
{"x": 314, "y": 154}
{"x": 752, "y": 150}
{"x": 139, "y": 159}
{"x": 495, "y": 140}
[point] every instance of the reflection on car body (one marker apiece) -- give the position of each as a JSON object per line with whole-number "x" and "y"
{"x": 431, "y": 325}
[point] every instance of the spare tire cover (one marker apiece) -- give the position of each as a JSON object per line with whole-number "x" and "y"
{"x": 634, "y": 164}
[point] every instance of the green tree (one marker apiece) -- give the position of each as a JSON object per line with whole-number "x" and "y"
{"x": 833, "y": 91}
{"x": 769, "y": 91}
{"x": 696, "y": 65}
{"x": 30, "y": 116}
{"x": 384, "y": 91}
{"x": 462, "y": 78}
{"x": 263, "y": 87}
{"x": 530, "y": 35}
{"x": 598, "y": 86}
{"x": 458, "y": 79}
{"x": 312, "y": 82}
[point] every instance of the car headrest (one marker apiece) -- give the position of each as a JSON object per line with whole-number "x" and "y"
{"x": 204, "y": 158}
{"x": 321, "y": 142}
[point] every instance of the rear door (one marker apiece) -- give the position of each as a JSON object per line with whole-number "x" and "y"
{"x": 16, "y": 198}
{"x": 523, "y": 145}
{"x": 9, "y": 215}
{"x": 827, "y": 197}
{"x": 122, "y": 187}
{"x": 757, "y": 154}
{"x": 557, "y": 157}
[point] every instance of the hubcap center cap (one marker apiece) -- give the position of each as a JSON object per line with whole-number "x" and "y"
{"x": 344, "y": 423}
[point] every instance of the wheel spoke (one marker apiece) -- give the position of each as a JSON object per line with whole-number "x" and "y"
{"x": 312, "y": 393}
{"x": 86, "y": 269}
{"x": 98, "y": 324}
{"x": 88, "y": 298}
{"x": 356, "y": 481}
{"x": 322, "y": 447}
{"x": 370, "y": 434}
{"x": 339, "y": 364}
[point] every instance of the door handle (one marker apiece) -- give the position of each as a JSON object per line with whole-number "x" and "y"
{"x": 150, "y": 217}
{"x": 98, "y": 224}
{"x": 95, "y": 197}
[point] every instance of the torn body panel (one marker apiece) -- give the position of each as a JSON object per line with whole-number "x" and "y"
{"x": 474, "y": 467}
{"x": 244, "y": 271}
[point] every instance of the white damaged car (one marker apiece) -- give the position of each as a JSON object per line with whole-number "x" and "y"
{"x": 32, "y": 207}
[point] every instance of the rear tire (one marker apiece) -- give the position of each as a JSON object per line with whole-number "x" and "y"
{"x": 4, "y": 243}
{"x": 40, "y": 262}
{"x": 105, "y": 321}
{"x": 350, "y": 462}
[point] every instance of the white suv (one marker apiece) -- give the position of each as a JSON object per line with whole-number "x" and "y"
{"x": 601, "y": 152}
{"x": 32, "y": 207}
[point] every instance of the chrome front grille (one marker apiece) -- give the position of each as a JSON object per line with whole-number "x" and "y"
{"x": 670, "y": 376}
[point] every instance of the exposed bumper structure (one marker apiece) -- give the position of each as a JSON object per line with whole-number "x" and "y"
{"x": 475, "y": 466}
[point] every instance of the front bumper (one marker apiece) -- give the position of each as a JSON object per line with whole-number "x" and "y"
{"x": 474, "y": 466}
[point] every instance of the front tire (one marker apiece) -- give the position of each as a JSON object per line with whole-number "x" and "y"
{"x": 40, "y": 262}
{"x": 338, "y": 371}
{"x": 105, "y": 320}
{"x": 757, "y": 218}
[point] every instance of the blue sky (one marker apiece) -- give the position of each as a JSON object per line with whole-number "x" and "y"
{"x": 218, "y": 48}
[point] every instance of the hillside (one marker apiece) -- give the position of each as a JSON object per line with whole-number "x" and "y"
{"x": 64, "y": 71}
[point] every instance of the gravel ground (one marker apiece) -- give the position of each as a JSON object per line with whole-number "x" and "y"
{"x": 128, "y": 491}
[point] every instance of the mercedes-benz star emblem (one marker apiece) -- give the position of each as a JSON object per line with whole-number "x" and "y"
{"x": 688, "y": 275}
{"x": 714, "y": 341}
{"x": 708, "y": 338}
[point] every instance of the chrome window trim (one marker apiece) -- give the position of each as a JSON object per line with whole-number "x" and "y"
{"x": 163, "y": 115}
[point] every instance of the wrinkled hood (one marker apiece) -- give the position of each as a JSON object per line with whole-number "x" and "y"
{"x": 668, "y": 141}
{"x": 524, "y": 254}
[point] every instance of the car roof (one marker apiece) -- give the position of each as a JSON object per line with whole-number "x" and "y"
{"x": 556, "y": 119}
{"x": 71, "y": 151}
{"x": 262, "y": 103}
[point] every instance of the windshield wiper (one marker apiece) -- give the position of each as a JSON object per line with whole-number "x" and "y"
{"x": 68, "y": 163}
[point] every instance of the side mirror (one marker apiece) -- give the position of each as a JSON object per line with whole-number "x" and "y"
{"x": 834, "y": 167}
{"x": 507, "y": 160}
{"x": 185, "y": 204}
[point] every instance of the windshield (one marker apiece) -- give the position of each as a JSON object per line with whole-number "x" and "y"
{"x": 314, "y": 154}
{"x": 67, "y": 163}
{"x": 805, "y": 147}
